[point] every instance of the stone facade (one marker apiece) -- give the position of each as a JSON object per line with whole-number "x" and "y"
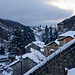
{"x": 27, "y": 64}
{"x": 60, "y": 28}
{"x": 52, "y": 45}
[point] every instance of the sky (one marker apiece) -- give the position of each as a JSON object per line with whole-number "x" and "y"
{"x": 37, "y": 12}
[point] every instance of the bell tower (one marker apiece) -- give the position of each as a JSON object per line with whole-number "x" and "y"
{"x": 60, "y": 28}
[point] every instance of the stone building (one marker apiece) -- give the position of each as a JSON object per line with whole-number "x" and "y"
{"x": 28, "y": 61}
{"x": 60, "y": 28}
{"x": 69, "y": 33}
{"x": 50, "y": 47}
{"x": 32, "y": 45}
{"x": 37, "y": 45}
{"x": 65, "y": 40}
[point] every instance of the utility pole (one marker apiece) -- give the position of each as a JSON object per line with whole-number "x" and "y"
{"x": 21, "y": 64}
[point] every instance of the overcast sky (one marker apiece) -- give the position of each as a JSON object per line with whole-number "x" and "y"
{"x": 36, "y": 12}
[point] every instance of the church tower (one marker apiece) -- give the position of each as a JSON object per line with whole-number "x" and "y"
{"x": 60, "y": 28}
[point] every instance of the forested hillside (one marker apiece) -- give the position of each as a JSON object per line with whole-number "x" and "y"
{"x": 69, "y": 23}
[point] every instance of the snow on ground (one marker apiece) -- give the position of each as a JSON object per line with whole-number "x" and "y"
{"x": 35, "y": 55}
{"x": 38, "y": 36}
{"x": 39, "y": 33}
{"x": 69, "y": 33}
{"x": 71, "y": 71}
{"x": 50, "y": 57}
{"x": 5, "y": 69}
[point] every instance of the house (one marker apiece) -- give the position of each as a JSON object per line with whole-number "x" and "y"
{"x": 28, "y": 61}
{"x": 37, "y": 45}
{"x": 66, "y": 37}
{"x": 69, "y": 33}
{"x": 51, "y": 47}
{"x": 65, "y": 40}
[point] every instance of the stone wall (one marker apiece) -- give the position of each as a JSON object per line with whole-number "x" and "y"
{"x": 27, "y": 64}
{"x": 51, "y": 46}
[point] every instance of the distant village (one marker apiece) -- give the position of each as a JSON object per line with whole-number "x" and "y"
{"x": 41, "y": 53}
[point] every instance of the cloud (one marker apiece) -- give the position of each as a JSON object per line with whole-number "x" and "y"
{"x": 63, "y": 4}
{"x": 32, "y": 12}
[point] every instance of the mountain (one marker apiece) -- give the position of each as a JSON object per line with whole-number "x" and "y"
{"x": 69, "y": 23}
{"x": 10, "y": 23}
{"x": 7, "y": 27}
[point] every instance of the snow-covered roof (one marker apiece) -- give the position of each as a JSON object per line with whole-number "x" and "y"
{"x": 16, "y": 61}
{"x": 50, "y": 57}
{"x": 65, "y": 37}
{"x": 69, "y": 33}
{"x": 56, "y": 41}
{"x": 38, "y": 43}
{"x": 28, "y": 45}
{"x": 35, "y": 55}
{"x": 71, "y": 71}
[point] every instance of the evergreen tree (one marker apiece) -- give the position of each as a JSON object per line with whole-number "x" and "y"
{"x": 45, "y": 36}
{"x": 28, "y": 35}
{"x": 55, "y": 34}
{"x": 16, "y": 44}
{"x": 2, "y": 51}
{"x": 51, "y": 35}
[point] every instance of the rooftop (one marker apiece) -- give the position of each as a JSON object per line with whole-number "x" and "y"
{"x": 69, "y": 33}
